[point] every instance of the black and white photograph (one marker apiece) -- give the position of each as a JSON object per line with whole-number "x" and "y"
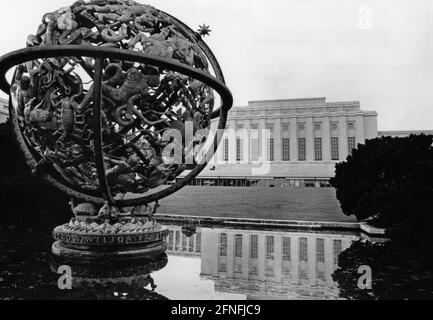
{"x": 227, "y": 152}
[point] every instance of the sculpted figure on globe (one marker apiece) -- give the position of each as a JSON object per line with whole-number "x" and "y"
{"x": 95, "y": 98}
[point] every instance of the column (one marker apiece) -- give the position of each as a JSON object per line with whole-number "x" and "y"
{"x": 232, "y": 141}
{"x": 261, "y": 261}
{"x": 262, "y": 144}
{"x": 342, "y": 138}
{"x": 278, "y": 253}
{"x": 329, "y": 261}
{"x": 360, "y": 134}
{"x": 309, "y": 139}
{"x": 293, "y": 139}
{"x": 294, "y": 248}
{"x": 312, "y": 273}
{"x": 230, "y": 255}
{"x": 278, "y": 140}
{"x": 247, "y": 141}
{"x": 326, "y": 139}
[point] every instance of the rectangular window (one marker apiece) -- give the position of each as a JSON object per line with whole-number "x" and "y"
{"x": 286, "y": 128}
{"x": 320, "y": 250}
{"x": 351, "y": 142}
{"x": 271, "y": 149}
{"x": 254, "y": 149}
{"x": 303, "y": 253}
{"x": 238, "y": 246}
{"x": 334, "y": 126}
{"x": 334, "y": 148}
{"x": 226, "y": 149}
{"x": 286, "y": 149}
{"x": 301, "y": 127}
{"x": 286, "y": 249}
{"x": 337, "y": 250}
{"x": 239, "y": 149}
{"x": 222, "y": 267}
{"x": 317, "y": 126}
{"x": 351, "y": 125}
{"x": 301, "y": 150}
{"x": 318, "y": 149}
{"x": 254, "y": 246}
{"x": 269, "y": 247}
{"x": 223, "y": 245}
{"x": 198, "y": 242}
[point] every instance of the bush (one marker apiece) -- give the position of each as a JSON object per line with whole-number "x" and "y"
{"x": 390, "y": 180}
{"x": 22, "y": 195}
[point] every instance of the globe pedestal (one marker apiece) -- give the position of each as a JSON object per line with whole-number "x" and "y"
{"x": 96, "y": 239}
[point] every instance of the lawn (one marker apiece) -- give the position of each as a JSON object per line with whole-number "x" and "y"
{"x": 307, "y": 204}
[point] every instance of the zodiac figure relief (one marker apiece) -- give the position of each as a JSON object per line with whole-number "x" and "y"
{"x": 54, "y": 96}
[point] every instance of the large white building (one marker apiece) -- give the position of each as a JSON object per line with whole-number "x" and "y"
{"x": 294, "y": 142}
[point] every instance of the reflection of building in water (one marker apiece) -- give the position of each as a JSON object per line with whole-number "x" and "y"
{"x": 179, "y": 243}
{"x": 277, "y": 264}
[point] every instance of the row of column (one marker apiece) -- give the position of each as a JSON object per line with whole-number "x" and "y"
{"x": 309, "y": 134}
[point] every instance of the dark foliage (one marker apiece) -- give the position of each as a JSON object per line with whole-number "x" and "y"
{"x": 397, "y": 272}
{"x": 390, "y": 180}
{"x": 24, "y": 197}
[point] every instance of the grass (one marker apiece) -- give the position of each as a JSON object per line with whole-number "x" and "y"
{"x": 308, "y": 204}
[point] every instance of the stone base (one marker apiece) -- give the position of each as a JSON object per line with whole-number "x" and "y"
{"x": 128, "y": 239}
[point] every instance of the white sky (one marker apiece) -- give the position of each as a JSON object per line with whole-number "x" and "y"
{"x": 276, "y": 49}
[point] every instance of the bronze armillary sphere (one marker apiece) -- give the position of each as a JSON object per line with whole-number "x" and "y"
{"x": 97, "y": 88}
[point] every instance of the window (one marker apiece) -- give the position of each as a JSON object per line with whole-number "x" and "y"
{"x": 286, "y": 249}
{"x": 286, "y": 149}
{"x": 239, "y": 149}
{"x": 222, "y": 267}
{"x": 301, "y": 149}
{"x": 226, "y": 149}
{"x": 351, "y": 142}
{"x": 301, "y": 127}
{"x": 254, "y": 246}
{"x": 303, "y": 254}
{"x": 334, "y": 148}
{"x": 317, "y": 126}
{"x": 337, "y": 250}
{"x": 286, "y": 128}
{"x": 351, "y": 125}
{"x": 223, "y": 245}
{"x": 318, "y": 149}
{"x": 269, "y": 247}
{"x": 198, "y": 242}
{"x": 334, "y": 126}
{"x": 320, "y": 250}
{"x": 254, "y": 149}
{"x": 238, "y": 246}
{"x": 271, "y": 149}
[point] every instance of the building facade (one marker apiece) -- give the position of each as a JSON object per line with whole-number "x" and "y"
{"x": 286, "y": 143}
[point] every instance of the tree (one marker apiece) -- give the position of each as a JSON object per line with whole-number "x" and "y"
{"x": 390, "y": 180}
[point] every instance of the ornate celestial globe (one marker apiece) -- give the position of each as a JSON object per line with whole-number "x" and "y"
{"x": 106, "y": 96}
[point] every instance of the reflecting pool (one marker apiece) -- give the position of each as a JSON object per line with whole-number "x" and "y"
{"x": 200, "y": 263}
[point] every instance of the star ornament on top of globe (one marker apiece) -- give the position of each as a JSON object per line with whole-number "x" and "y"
{"x": 100, "y": 93}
